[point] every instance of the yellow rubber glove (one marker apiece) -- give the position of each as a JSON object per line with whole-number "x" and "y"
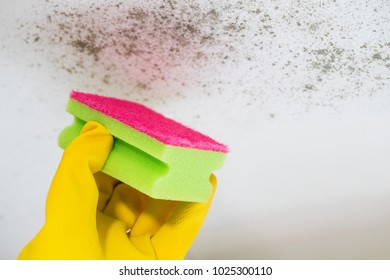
{"x": 90, "y": 215}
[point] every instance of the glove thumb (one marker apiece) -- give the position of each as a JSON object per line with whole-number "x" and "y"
{"x": 70, "y": 227}
{"x": 73, "y": 194}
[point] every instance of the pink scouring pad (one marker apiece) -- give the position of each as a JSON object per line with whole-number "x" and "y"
{"x": 154, "y": 154}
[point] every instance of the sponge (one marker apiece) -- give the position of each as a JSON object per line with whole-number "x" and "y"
{"x": 154, "y": 154}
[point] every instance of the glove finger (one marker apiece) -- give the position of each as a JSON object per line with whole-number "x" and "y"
{"x": 106, "y": 185}
{"x": 174, "y": 238}
{"x": 73, "y": 195}
{"x": 115, "y": 242}
{"x": 139, "y": 217}
{"x": 152, "y": 217}
{"x": 126, "y": 204}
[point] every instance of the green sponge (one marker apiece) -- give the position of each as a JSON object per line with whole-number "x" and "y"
{"x": 151, "y": 153}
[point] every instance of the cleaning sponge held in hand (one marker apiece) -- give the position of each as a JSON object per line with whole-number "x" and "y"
{"x": 151, "y": 153}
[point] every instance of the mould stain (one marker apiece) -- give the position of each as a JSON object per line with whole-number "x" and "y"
{"x": 260, "y": 50}
{"x": 141, "y": 41}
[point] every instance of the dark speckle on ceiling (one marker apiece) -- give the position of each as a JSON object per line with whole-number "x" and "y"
{"x": 313, "y": 53}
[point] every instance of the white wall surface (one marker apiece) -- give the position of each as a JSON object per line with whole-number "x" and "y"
{"x": 299, "y": 90}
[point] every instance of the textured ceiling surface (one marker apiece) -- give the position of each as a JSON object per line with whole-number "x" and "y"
{"x": 299, "y": 90}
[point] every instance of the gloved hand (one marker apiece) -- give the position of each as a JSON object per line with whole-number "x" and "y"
{"x": 90, "y": 215}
